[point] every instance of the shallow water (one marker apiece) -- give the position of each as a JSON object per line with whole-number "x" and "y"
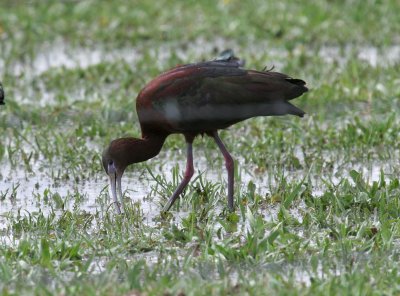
{"x": 60, "y": 54}
{"x": 30, "y": 188}
{"x": 138, "y": 186}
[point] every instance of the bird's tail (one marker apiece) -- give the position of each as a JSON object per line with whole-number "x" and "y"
{"x": 292, "y": 109}
{"x": 299, "y": 89}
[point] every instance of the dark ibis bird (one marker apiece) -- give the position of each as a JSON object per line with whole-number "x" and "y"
{"x": 1, "y": 94}
{"x": 197, "y": 99}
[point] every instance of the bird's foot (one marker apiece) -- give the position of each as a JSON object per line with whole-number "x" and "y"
{"x": 165, "y": 215}
{"x": 118, "y": 208}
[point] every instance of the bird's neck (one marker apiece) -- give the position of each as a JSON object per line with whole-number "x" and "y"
{"x": 150, "y": 146}
{"x": 126, "y": 151}
{"x": 133, "y": 150}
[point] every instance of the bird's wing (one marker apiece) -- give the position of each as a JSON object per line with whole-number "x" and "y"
{"x": 220, "y": 93}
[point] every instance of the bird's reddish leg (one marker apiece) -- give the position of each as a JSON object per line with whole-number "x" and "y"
{"x": 188, "y": 175}
{"x": 230, "y": 166}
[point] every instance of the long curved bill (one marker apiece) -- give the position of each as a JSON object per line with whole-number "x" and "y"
{"x": 114, "y": 180}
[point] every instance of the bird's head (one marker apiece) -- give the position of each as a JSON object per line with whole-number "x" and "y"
{"x": 123, "y": 152}
{"x": 109, "y": 164}
{"x": 114, "y": 168}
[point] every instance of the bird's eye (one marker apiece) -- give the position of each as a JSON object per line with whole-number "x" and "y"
{"x": 111, "y": 167}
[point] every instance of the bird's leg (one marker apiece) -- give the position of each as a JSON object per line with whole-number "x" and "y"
{"x": 188, "y": 175}
{"x": 230, "y": 166}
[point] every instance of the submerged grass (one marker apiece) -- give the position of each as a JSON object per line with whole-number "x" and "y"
{"x": 317, "y": 198}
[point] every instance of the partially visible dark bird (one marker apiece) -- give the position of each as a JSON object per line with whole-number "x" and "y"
{"x": 1, "y": 95}
{"x": 194, "y": 99}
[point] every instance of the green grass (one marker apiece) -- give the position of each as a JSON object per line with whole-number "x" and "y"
{"x": 317, "y": 198}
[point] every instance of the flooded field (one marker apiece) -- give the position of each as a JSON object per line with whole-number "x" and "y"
{"x": 60, "y": 54}
{"x": 33, "y": 192}
{"x": 317, "y": 198}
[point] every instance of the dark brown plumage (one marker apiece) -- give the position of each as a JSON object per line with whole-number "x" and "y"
{"x": 197, "y": 99}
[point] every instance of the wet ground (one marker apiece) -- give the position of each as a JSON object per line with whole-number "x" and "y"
{"x": 60, "y": 54}
{"x": 27, "y": 191}
{"x": 30, "y": 192}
